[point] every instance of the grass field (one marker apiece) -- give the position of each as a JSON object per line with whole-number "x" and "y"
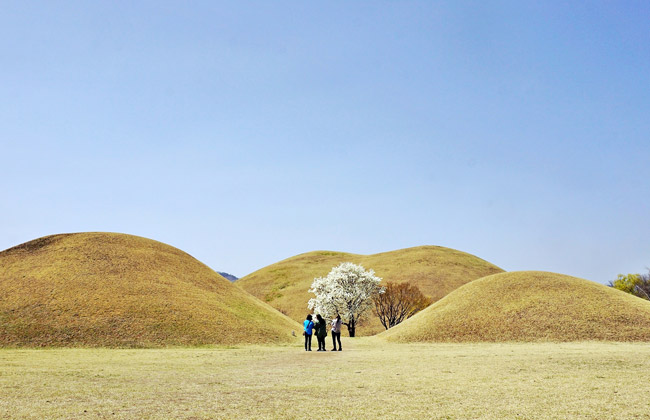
{"x": 369, "y": 379}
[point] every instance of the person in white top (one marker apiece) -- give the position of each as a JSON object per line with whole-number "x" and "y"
{"x": 336, "y": 331}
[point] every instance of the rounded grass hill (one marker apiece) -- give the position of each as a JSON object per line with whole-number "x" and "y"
{"x": 116, "y": 290}
{"x": 435, "y": 270}
{"x": 529, "y": 306}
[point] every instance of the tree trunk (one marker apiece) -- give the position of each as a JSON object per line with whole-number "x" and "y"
{"x": 351, "y": 326}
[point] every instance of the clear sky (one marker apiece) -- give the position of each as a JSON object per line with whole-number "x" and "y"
{"x": 247, "y": 132}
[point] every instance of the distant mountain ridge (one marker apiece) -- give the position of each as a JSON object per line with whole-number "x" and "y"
{"x": 227, "y": 276}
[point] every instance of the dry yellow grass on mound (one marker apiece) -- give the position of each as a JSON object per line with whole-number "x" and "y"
{"x": 116, "y": 290}
{"x": 529, "y": 306}
{"x": 435, "y": 270}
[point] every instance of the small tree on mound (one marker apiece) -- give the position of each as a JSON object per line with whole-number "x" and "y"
{"x": 399, "y": 301}
{"x": 635, "y": 284}
{"x": 347, "y": 291}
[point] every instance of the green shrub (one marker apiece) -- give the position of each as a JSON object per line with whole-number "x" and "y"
{"x": 635, "y": 284}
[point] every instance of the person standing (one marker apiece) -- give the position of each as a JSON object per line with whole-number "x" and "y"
{"x": 321, "y": 332}
{"x": 336, "y": 332}
{"x": 308, "y": 327}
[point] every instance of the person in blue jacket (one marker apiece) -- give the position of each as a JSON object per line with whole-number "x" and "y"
{"x": 308, "y": 326}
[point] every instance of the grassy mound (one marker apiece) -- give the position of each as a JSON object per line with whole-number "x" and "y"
{"x": 115, "y": 290}
{"x": 529, "y": 306}
{"x": 435, "y": 270}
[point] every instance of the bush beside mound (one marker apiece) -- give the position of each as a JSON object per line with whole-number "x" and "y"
{"x": 529, "y": 306}
{"x": 116, "y": 290}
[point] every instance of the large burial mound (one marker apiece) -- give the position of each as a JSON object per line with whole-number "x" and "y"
{"x": 435, "y": 270}
{"x": 529, "y": 306}
{"x": 115, "y": 290}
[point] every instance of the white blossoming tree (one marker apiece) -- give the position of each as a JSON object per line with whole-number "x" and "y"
{"x": 347, "y": 290}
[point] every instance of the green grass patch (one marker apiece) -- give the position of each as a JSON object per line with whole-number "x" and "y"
{"x": 370, "y": 379}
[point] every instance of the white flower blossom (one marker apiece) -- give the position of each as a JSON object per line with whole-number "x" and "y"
{"x": 347, "y": 290}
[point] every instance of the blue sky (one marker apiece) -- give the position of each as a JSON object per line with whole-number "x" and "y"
{"x": 247, "y": 132}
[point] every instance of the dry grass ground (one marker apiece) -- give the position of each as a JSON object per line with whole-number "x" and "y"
{"x": 435, "y": 270}
{"x": 114, "y": 290}
{"x": 370, "y": 379}
{"x": 529, "y": 306}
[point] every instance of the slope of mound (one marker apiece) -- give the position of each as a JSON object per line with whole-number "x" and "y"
{"x": 529, "y": 306}
{"x": 115, "y": 290}
{"x": 435, "y": 270}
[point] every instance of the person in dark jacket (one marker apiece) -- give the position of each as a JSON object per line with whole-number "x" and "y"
{"x": 321, "y": 332}
{"x": 308, "y": 327}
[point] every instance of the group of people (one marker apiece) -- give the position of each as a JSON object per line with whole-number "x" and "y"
{"x": 319, "y": 328}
